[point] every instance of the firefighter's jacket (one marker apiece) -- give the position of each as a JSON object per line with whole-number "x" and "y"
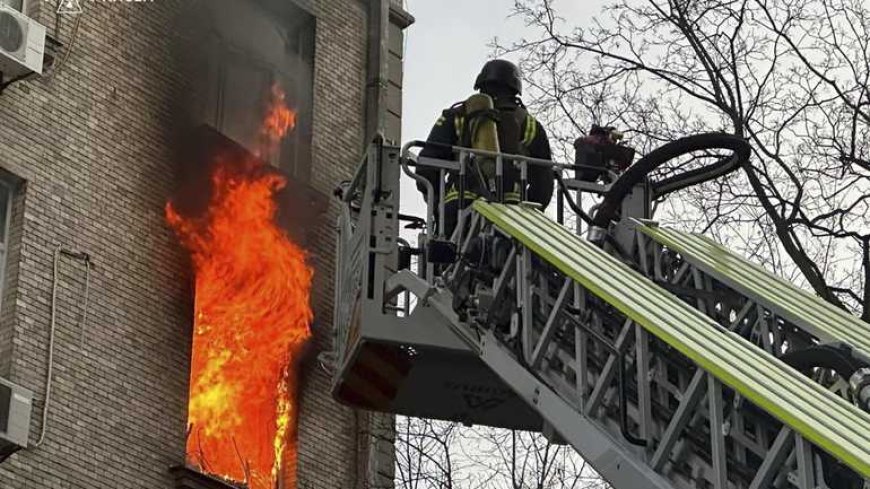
{"x": 518, "y": 133}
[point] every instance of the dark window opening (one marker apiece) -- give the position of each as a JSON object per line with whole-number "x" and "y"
{"x": 11, "y": 223}
{"x": 14, "y": 4}
{"x": 248, "y": 47}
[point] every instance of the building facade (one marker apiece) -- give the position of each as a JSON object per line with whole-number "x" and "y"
{"x": 87, "y": 162}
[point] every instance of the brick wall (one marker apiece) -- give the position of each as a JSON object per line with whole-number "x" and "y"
{"x": 329, "y": 436}
{"x": 93, "y": 145}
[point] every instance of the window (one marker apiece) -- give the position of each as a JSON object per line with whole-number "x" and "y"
{"x": 7, "y": 192}
{"x": 250, "y": 47}
{"x": 10, "y": 199}
{"x": 13, "y": 4}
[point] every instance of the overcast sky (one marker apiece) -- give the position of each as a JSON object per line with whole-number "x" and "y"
{"x": 445, "y": 49}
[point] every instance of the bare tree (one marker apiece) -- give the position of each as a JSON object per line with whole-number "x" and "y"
{"x": 440, "y": 455}
{"x": 424, "y": 454}
{"x": 790, "y": 76}
{"x": 511, "y": 459}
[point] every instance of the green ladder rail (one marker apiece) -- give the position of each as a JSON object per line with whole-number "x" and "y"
{"x": 816, "y": 414}
{"x": 800, "y": 307}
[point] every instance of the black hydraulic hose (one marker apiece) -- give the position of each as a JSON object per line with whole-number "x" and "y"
{"x": 623, "y": 403}
{"x": 415, "y": 221}
{"x": 845, "y": 361}
{"x": 571, "y": 203}
{"x": 639, "y": 171}
{"x": 621, "y": 386}
{"x": 721, "y": 167}
{"x": 838, "y": 357}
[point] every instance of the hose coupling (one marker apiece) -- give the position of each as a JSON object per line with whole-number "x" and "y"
{"x": 597, "y": 234}
{"x": 860, "y": 385}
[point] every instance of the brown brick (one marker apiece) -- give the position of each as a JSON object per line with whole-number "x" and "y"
{"x": 93, "y": 145}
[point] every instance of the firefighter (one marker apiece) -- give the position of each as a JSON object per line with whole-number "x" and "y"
{"x": 519, "y": 133}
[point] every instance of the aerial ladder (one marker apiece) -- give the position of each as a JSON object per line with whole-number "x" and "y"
{"x": 664, "y": 359}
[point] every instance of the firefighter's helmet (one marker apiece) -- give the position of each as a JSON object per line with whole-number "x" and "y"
{"x": 500, "y": 72}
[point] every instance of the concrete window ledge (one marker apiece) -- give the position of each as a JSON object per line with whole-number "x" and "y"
{"x": 400, "y": 16}
{"x": 190, "y": 478}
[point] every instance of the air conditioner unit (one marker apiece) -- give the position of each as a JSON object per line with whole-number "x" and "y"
{"x": 22, "y": 44}
{"x": 15, "y": 407}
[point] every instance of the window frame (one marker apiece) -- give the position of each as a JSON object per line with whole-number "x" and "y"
{"x": 295, "y": 74}
{"x": 11, "y": 190}
{"x": 22, "y": 8}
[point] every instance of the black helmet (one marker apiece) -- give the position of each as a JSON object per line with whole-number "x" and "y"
{"x": 500, "y": 72}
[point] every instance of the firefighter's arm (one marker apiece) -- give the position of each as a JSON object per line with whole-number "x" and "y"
{"x": 541, "y": 180}
{"x": 444, "y": 131}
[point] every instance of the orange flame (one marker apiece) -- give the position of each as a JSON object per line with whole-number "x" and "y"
{"x": 278, "y": 122}
{"x": 252, "y": 316}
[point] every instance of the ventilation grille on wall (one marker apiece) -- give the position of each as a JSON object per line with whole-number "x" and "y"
{"x": 15, "y": 407}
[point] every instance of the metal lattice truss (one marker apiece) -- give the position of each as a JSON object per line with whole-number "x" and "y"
{"x": 662, "y": 372}
{"x": 674, "y": 398}
{"x": 781, "y": 316}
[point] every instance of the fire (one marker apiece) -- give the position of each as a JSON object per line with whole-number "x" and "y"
{"x": 252, "y": 317}
{"x": 278, "y": 121}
